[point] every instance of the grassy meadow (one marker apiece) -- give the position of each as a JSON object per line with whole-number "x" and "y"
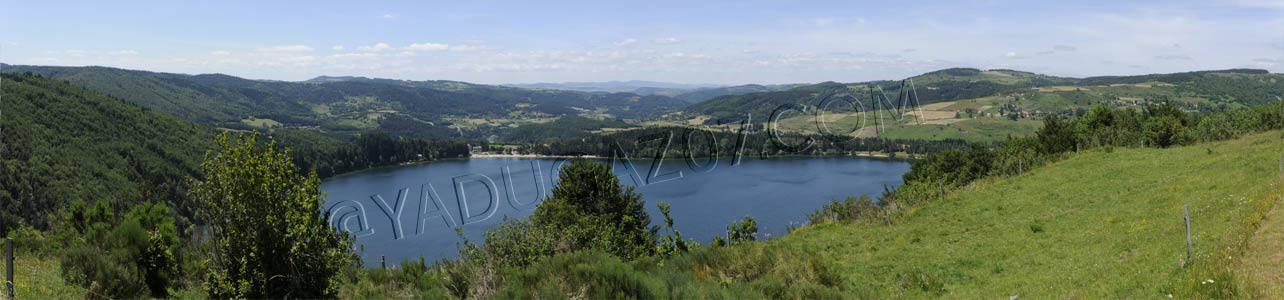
{"x": 1107, "y": 224}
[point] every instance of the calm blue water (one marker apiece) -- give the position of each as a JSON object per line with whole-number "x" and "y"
{"x": 777, "y": 192}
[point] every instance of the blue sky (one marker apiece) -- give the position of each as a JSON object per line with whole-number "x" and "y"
{"x": 728, "y": 42}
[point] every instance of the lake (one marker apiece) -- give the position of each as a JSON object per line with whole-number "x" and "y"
{"x": 777, "y": 192}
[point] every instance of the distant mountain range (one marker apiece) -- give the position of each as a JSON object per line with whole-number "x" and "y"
{"x": 629, "y": 86}
{"x": 344, "y": 106}
{"x": 693, "y": 93}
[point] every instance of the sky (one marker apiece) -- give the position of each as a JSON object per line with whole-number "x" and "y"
{"x": 717, "y": 42}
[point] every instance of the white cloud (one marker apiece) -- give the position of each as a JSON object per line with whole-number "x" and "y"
{"x": 220, "y": 53}
{"x": 387, "y": 17}
{"x": 124, "y": 52}
{"x": 466, "y": 48}
{"x": 626, "y": 42}
{"x": 72, "y": 53}
{"x": 1273, "y": 4}
{"x": 354, "y": 55}
{"x": 667, "y": 41}
{"x": 375, "y": 48}
{"x": 1172, "y": 57}
{"x": 1014, "y": 55}
{"x": 406, "y": 53}
{"x": 337, "y": 48}
{"x": 287, "y": 48}
{"x": 426, "y": 47}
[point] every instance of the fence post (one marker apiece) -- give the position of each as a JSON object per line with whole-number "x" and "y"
{"x": 941, "y": 184}
{"x": 382, "y": 263}
{"x": 8, "y": 269}
{"x": 1189, "y": 254}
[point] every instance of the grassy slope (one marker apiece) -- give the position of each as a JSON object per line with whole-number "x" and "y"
{"x": 38, "y": 277}
{"x": 1264, "y": 261}
{"x": 1110, "y": 227}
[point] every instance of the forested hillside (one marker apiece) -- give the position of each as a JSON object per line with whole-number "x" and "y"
{"x": 343, "y": 104}
{"x": 62, "y": 143}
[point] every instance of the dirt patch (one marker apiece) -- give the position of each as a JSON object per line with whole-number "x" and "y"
{"x": 933, "y": 115}
{"x": 938, "y": 105}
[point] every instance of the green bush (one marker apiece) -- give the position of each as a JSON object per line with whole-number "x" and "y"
{"x": 597, "y": 212}
{"x": 582, "y": 275}
{"x": 107, "y": 275}
{"x": 134, "y": 258}
{"x": 747, "y": 271}
{"x": 672, "y": 242}
{"x": 589, "y": 209}
{"x": 28, "y": 239}
{"x": 268, "y": 241}
{"x": 743, "y": 230}
{"x": 850, "y": 209}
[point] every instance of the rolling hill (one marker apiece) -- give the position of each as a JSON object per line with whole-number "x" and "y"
{"x": 1106, "y": 224}
{"x": 63, "y": 143}
{"x": 343, "y": 103}
{"x": 988, "y": 105}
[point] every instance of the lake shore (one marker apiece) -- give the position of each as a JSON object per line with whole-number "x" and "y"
{"x": 493, "y": 155}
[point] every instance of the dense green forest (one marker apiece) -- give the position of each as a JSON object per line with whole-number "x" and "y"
{"x": 329, "y": 157}
{"x": 225, "y": 101}
{"x": 70, "y": 144}
{"x": 701, "y": 95}
{"x": 681, "y": 142}
{"x": 564, "y": 128}
{"x": 63, "y": 143}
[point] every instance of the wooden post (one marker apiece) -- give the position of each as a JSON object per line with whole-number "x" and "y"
{"x": 382, "y": 263}
{"x": 941, "y": 184}
{"x": 8, "y": 269}
{"x": 1281, "y": 166}
{"x": 1189, "y": 251}
{"x": 1020, "y": 167}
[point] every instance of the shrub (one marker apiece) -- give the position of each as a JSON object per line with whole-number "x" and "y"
{"x": 597, "y": 212}
{"x": 850, "y": 209}
{"x": 589, "y": 209}
{"x": 743, "y": 230}
{"x": 28, "y": 239}
{"x": 583, "y": 275}
{"x": 132, "y": 259}
{"x": 672, "y": 242}
{"x": 269, "y": 241}
{"x": 107, "y": 275}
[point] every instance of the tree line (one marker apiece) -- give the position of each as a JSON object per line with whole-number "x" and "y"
{"x": 753, "y": 141}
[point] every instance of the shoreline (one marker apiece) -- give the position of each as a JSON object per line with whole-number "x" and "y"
{"x": 489, "y": 155}
{"x": 874, "y": 155}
